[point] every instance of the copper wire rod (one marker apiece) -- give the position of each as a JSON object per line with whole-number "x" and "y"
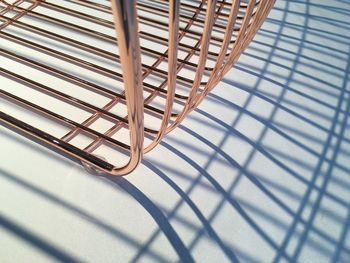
{"x": 195, "y": 97}
{"x": 210, "y": 18}
{"x": 218, "y": 62}
{"x": 155, "y": 22}
{"x": 96, "y": 6}
{"x": 107, "y": 9}
{"x": 125, "y": 19}
{"x": 209, "y": 85}
{"x": 100, "y": 52}
{"x": 224, "y": 27}
{"x": 55, "y": 142}
{"x": 63, "y": 96}
{"x": 9, "y": 6}
{"x": 181, "y": 66}
{"x": 241, "y": 35}
{"x": 201, "y": 83}
{"x": 194, "y": 87}
{"x": 190, "y": 32}
{"x": 110, "y": 24}
{"x": 222, "y": 54}
{"x": 140, "y": 6}
{"x": 18, "y": 15}
{"x": 76, "y": 80}
{"x": 265, "y": 7}
{"x": 116, "y": 57}
{"x": 142, "y": 33}
{"x": 56, "y": 116}
{"x": 174, "y": 10}
{"x": 161, "y": 23}
{"x": 72, "y": 78}
{"x": 106, "y": 37}
{"x": 257, "y": 23}
{"x": 118, "y": 125}
{"x": 189, "y": 7}
{"x": 219, "y": 2}
{"x": 77, "y": 61}
{"x": 184, "y": 18}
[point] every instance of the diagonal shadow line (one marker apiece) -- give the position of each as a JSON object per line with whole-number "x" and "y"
{"x": 156, "y": 214}
{"x": 299, "y": 72}
{"x": 333, "y": 160}
{"x": 270, "y": 125}
{"x": 294, "y": 196}
{"x": 309, "y": 167}
{"x": 271, "y": 184}
{"x": 313, "y": 30}
{"x": 304, "y": 165}
{"x": 310, "y": 138}
{"x": 198, "y": 178}
{"x": 331, "y": 21}
{"x": 282, "y": 107}
{"x": 313, "y": 178}
{"x": 137, "y": 194}
{"x": 213, "y": 214}
{"x": 77, "y": 211}
{"x": 342, "y": 239}
{"x": 266, "y": 32}
{"x": 328, "y": 7}
{"x": 263, "y": 149}
{"x": 251, "y": 176}
{"x": 37, "y": 242}
{"x": 345, "y": 231}
{"x": 227, "y": 250}
{"x": 259, "y": 45}
{"x": 281, "y": 96}
{"x": 225, "y": 194}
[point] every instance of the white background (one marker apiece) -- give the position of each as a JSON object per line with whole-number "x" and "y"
{"x": 259, "y": 173}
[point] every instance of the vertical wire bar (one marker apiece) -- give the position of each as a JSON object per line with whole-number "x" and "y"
{"x": 174, "y": 14}
{"x": 261, "y": 13}
{"x": 117, "y": 126}
{"x": 223, "y": 50}
{"x": 263, "y": 10}
{"x": 205, "y": 42}
{"x": 235, "y": 50}
{"x": 125, "y": 18}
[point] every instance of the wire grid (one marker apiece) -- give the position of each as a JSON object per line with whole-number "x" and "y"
{"x": 63, "y": 82}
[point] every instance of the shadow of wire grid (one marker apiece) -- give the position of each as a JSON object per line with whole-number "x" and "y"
{"x": 286, "y": 148}
{"x": 260, "y": 172}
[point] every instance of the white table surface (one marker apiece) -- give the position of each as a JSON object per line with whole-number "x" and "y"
{"x": 259, "y": 173}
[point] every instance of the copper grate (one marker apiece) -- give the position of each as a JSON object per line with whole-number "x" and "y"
{"x": 104, "y": 81}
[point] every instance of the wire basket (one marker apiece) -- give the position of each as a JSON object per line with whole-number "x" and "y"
{"x": 104, "y": 81}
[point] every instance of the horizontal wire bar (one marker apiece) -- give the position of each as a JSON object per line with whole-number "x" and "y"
{"x": 193, "y": 17}
{"x": 54, "y": 141}
{"x": 51, "y": 113}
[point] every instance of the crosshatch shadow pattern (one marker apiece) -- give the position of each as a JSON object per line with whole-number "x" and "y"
{"x": 260, "y": 172}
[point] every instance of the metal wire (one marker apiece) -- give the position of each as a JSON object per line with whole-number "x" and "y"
{"x": 105, "y": 81}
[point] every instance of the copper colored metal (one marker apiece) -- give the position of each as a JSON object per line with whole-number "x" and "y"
{"x": 111, "y": 78}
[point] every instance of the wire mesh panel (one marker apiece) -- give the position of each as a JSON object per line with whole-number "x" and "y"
{"x": 104, "y": 81}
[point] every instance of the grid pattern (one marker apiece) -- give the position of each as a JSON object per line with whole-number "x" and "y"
{"x": 70, "y": 91}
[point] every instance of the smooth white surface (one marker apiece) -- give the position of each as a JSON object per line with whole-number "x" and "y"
{"x": 259, "y": 173}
